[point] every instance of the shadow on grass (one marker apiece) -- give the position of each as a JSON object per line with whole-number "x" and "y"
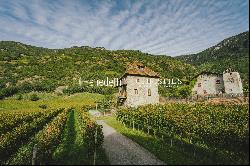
{"x": 72, "y": 150}
{"x": 68, "y": 150}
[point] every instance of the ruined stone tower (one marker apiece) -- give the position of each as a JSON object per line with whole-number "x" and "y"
{"x": 232, "y": 82}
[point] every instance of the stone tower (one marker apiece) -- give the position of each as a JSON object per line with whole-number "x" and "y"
{"x": 232, "y": 82}
{"x": 138, "y": 86}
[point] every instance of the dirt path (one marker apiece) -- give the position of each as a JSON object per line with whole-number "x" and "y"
{"x": 123, "y": 151}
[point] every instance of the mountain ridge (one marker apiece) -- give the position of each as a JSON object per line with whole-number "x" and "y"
{"x": 36, "y": 68}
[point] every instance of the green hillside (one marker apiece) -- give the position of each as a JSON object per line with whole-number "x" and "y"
{"x": 28, "y": 68}
{"x": 232, "y": 53}
{"x": 25, "y": 68}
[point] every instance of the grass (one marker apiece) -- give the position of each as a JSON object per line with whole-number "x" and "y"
{"x": 49, "y": 99}
{"x": 72, "y": 150}
{"x": 176, "y": 154}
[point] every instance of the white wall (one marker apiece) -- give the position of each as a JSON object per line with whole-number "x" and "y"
{"x": 142, "y": 86}
{"x": 208, "y": 84}
{"x": 233, "y": 84}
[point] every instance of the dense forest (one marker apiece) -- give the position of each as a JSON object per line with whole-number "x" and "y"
{"x": 25, "y": 68}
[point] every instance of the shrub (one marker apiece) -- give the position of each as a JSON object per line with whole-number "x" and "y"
{"x": 43, "y": 106}
{"x": 34, "y": 97}
{"x": 19, "y": 97}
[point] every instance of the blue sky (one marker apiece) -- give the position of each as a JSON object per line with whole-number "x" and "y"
{"x": 161, "y": 27}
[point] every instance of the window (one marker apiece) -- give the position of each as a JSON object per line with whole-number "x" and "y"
{"x": 136, "y": 91}
{"x": 138, "y": 80}
{"x": 217, "y": 81}
{"x": 149, "y": 80}
{"x": 199, "y": 84}
{"x": 141, "y": 67}
{"x": 149, "y": 92}
{"x": 231, "y": 80}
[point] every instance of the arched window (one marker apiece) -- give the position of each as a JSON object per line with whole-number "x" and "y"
{"x": 149, "y": 92}
{"x": 136, "y": 91}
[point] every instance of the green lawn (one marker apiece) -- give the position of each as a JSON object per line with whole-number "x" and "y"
{"x": 49, "y": 99}
{"x": 175, "y": 154}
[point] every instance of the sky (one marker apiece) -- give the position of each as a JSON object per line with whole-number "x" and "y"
{"x": 159, "y": 27}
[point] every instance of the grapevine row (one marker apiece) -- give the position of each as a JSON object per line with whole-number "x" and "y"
{"x": 46, "y": 141}
{"x": 219, "y": 126}
{"x": 11, "y": 141}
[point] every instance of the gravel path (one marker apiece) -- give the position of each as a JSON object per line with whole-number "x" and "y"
{"x": 123, "y": 151}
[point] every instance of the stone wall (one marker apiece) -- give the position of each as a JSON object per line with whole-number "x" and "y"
{"x": 232, "y": 83}
{"x": 138, "y": 91}
{"x": 208, "y": 85}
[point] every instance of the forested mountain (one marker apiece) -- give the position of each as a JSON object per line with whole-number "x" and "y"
{"x": 24, "y": 68}
{"x": 34, "y": 68}
{"x": 232, "y": 52}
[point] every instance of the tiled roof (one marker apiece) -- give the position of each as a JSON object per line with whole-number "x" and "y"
{"x": 139, "y": 69}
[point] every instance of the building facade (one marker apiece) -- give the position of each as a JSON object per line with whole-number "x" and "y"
{"x": 212, "y": 84}
{"x": 139, "y": 86}
{"x": 232, "y": 82}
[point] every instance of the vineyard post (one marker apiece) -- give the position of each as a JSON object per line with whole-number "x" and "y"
{"x": 34, "y": 154}
{"x": 95, "y": 145}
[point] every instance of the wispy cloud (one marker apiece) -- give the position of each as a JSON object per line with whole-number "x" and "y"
{"x": 169, "y": 27}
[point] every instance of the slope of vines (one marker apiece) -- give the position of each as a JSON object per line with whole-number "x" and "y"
{"x": 218, "y": 126}
{"x": 50, "y": 137}
{"x": 46, "y": 140}
{"x": 12, "y": 140}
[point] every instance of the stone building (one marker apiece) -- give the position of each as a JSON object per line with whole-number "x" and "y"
{"x": 208, "y": 84}
{"x": 138, "y": 86}
{"x": 232, "y": 82}
{"x": 214, "y": 84}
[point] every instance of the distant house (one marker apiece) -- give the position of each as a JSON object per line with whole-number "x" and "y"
{"x": 139, "y": 86}
{"x": 209, "y": 84}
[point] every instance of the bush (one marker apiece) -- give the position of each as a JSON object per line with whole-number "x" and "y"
{"x": 19, "y": 97}
{"x": 6, "y": 92}
{"x": 34, "y": 97}
{"x": 43, "y": 106}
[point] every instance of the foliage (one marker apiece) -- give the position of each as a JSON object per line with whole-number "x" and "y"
{"x": 34, "y": 97}
{"x": 26, "y": 68}
{"x": 19, "y": 97}
{"x": 217, "y": 126}
{"x": 43, "y": 106}
{"x": 27, "y": 126}
{"x": 89, "y": 130}
{"x": 49, "y": 137}
{"x": 107, "y": 102}
{"x": 29, "y": 68}
{"x": 232, "y": 53}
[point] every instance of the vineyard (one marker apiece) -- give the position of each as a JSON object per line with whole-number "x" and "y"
{"x": 47, "y": 134}
{"x": 219, "y": 129}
